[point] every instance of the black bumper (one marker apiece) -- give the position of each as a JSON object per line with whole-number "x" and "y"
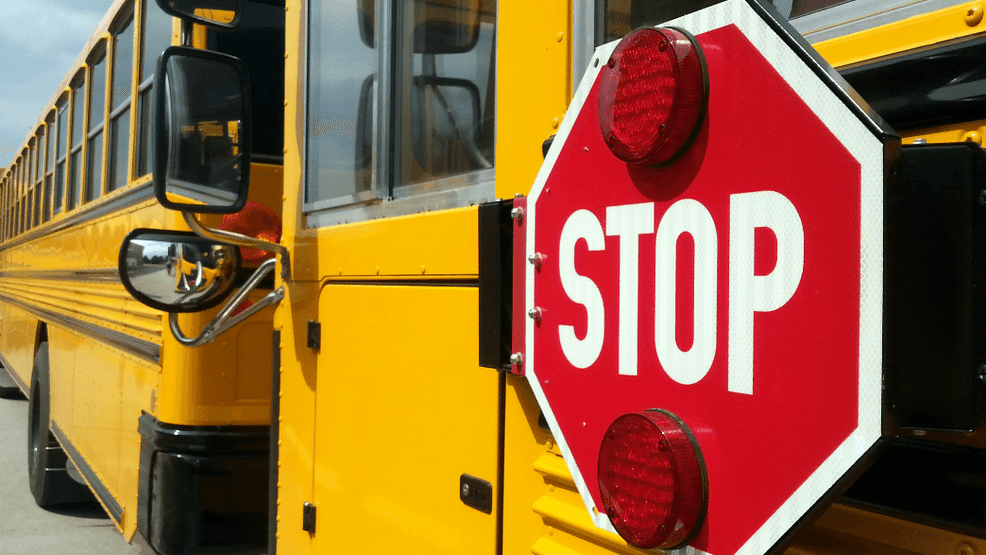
{"x": 203, "y": 489}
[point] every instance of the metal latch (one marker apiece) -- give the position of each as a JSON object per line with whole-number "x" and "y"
{"x": 314, "y": 335}
{"x": 308, "y": 518}
{"x": 476, "y": 493}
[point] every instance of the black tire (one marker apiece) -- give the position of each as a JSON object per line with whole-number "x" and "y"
{"x": 50, "y": 483}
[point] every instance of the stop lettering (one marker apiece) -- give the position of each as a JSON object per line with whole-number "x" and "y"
{"x": 738, "y": 288}
{"x": 751, "y": 293}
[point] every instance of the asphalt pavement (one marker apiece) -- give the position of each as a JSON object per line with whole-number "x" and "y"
{"x": 27, "y": 529}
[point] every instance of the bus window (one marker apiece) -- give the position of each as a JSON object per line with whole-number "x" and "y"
{"x": 29, "y": 184}
{"x": 398, "y": 111}
{"x": 155, "y": 38}
{"x": 97, "y": 104}
{"x": 342, "y": 66}
{"x": 117, "y": 171}
{"x": 75, "y": 143}
{"x": 39, "y": 169}
{"x": 447, "y": 72}
{"x": 49, "y": 169}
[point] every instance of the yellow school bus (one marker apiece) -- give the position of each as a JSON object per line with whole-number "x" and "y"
{"x": 171, "y": 441}
{"x": 412, "y": 132}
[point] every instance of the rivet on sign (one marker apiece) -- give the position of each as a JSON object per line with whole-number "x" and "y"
{"x": 536, "y": 259}
{"x": 611, "y": 63}
{"x": 973, "y": 16}
{"x": 973, "y": 137}
{"x": 595, "y": 63}
{"x": 517, "y": 213}
{"x": 555, "y": 123}
{"x": 587, "y": 149}
{"x": 534, "y": 313}
{"x": 517, "y": 359}
{"x": 560, "y": 37}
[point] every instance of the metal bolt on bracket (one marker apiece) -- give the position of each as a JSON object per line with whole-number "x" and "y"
{"x": 536, "y": 259}
{"x": 517, "y": 213}
{"x": 534, "y": 313}
{"x": 517, "y": 359}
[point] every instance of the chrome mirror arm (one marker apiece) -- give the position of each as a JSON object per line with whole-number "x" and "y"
{"x": 240, "y": 240}
{"x": 223, "y": 321}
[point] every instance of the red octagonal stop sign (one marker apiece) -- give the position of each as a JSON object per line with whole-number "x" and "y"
{"x": 739, "y": 288}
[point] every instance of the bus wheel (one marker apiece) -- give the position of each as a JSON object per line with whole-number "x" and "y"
{"x": 50, "y": 483}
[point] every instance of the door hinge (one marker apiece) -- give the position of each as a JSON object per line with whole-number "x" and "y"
{"x": 308, "y": 518}
{"x": 314, "y": 335}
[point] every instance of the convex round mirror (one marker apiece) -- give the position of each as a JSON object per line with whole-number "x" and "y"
{"x": 202, "y": 131}
{"x": 177, "y": 271}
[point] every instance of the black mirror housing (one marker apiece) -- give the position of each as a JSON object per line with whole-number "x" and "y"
{"x": 202, "y": 131}
{"x": 221, "y": 14}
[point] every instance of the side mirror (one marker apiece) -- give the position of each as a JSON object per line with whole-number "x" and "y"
{"x": 202, "y": 131}
{"x": 177, "y": 271}
{"x": 224, "y": 14}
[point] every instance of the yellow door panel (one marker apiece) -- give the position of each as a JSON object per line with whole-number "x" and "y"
{"x": 402, "y": 411}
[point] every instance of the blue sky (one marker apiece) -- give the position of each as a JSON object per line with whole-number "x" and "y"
{"x": 39, "y": 41}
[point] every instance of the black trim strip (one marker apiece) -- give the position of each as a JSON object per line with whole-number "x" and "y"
{"x": 13, "y": 375}
{"x": 137, "y": 195}
{"x": 101, "y": 275}
{"x": 199, "y": 440}
{"x": 108, "y": 501}
{"x": 135, "y": 346}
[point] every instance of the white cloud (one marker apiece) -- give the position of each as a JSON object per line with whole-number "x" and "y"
{"x": 40, "y": 40}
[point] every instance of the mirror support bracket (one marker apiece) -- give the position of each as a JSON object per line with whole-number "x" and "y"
{"x": 223, "y": 321}
{"x": 241, "y": 241}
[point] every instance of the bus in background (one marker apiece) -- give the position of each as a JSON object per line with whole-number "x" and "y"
{"x": 172, "y": 442}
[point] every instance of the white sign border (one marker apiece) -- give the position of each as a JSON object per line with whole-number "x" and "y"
{"x": 869, "y": 152}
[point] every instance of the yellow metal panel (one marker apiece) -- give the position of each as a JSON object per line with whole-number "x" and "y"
{"x": 543, "y": 512}
{"x": 423, "y": 245}
{"x": 226, "y": 382}
{"x": 915, "y": 32}
{"x": 402, "y": 410}
{"x": 533, "y": 87}
{"x": 296, "y": 420}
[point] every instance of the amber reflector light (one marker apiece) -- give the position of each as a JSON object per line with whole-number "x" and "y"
{"x": 257, "y": 221}
{"x": 652, "y": 480}
{"x": 653, "y": 95}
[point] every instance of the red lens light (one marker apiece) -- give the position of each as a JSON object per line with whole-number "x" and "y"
{"x": 257, "y": 221}
{"x": 652, "y": 480}
{"x": 653, "y": 95}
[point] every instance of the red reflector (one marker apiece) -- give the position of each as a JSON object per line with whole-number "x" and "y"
{"x": 257, "y": 221}
{"x": 653, "y": 95}
{"x": 652, "y": 480}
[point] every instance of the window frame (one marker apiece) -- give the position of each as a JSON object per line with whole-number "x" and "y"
{"x": 386, "y": 197}
{"x": 100, "y": 54}
{"x": 126, "y": 17}
{"x": 76, "y": 153}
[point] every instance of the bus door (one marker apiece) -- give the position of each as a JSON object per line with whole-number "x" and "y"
{"x": 400, "y": 134}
